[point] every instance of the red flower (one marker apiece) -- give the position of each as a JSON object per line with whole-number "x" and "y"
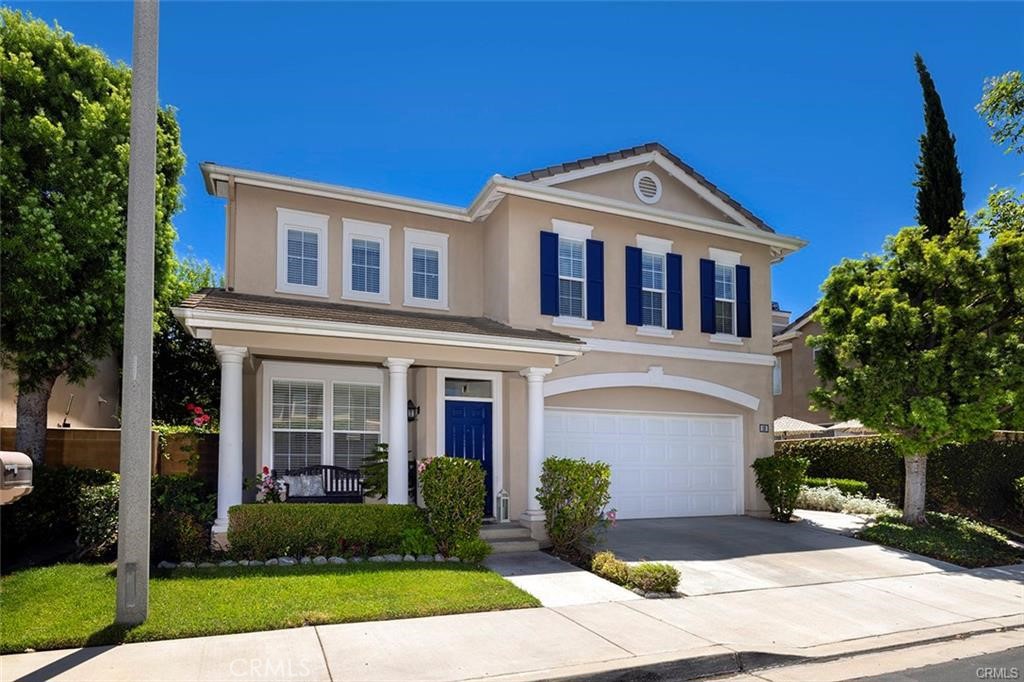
{"x": 266, "y": 471}
{"x": 197, "y": 410}
{"x": 190, "y": 406}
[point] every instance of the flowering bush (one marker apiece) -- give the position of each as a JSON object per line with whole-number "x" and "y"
{"x": 267, "y": 489}
{"x": 453, "y": 493}
{"x": 573, "y": 494}
{"x": 200, "y": 419}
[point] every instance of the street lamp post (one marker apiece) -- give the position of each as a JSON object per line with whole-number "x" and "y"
{"x": 137, "y": 382}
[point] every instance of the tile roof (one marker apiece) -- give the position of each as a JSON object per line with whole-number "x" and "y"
{"x": 221, "y": 300}
{"x": 588, "y": 162}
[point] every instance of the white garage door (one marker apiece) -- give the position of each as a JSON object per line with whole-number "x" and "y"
{"x": 662, "y": 464}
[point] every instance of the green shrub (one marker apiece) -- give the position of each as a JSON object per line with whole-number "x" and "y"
{"x": 453, "y": 494}
{"x": 184, "y": 494}
{"x": 606, "y": 565}
{"x": 948, "y": 538}
{"x": 263, "y": 531}
{"x": 845, "y": 485}
{"x": 471, "y": 550}
{"x": 417, "y": 541}
{"x": 1018, "y": 487}
{"x": 48, "y": 512}
{"x": 973, "y": 478}
{"x": 779, "y": 479}
{"x": 835, "y": 500}
{"x": 653, "y": 577}
{"x": 573, "y": 494}
{"x": 97, "y": 520}
{"x": 178, "y": 536}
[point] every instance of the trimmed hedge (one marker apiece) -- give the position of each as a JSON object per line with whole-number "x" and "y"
{"x": 972, "y": 478}
{"x": 265, "y": 531}
{"x": 843, "y": 485}
{"x": 779, "y": 480}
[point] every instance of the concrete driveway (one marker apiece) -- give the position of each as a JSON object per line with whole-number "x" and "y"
{"x": 736, "y": 553}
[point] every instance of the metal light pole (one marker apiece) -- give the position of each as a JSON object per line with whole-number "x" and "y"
{"x": 137, "y": 383}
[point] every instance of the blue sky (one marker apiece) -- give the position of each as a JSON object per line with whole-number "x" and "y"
{"x": 806, "y": 113}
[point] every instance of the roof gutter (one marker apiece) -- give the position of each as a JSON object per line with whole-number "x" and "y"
{"x": 196, "y": 320}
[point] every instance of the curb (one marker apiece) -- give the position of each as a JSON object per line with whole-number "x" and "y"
{"x": 715, "y": 665}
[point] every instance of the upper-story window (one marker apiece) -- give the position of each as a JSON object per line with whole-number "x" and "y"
{"x": 366, "y": 256}
{"x": 426, "y": 269}
{"x": 571, "y": 273}
{"x": 301, "y": 252}
{"x": 725, "y": 299}
{"x": 653, "y": 296}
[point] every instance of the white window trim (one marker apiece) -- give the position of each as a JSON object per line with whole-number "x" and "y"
{"x": 579, "y": 232}
{"x": 288, "y": 218}
{"x": 654, "y": 245}
{"x": 434, "y": 241}
{"x": 729, "y": 259}
{"x": 327, "y": 375}
{"x": 497, "y": 424}
{"x": 378, "y": 232}
{"x": 656, "y": 329}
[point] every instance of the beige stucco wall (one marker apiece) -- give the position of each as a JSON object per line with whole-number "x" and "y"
{"x": 675, "y": 196}
{"x": 95, "y": 405}
{"x": 528, "y": 217}
{"x": 799, "y": 378}
{"x": 256, "y": 247}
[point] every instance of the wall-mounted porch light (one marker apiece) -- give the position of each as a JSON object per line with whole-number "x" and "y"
{"x": 414, "y": 410}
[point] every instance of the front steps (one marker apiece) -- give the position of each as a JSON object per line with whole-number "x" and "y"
{"x": 508, "y": 537}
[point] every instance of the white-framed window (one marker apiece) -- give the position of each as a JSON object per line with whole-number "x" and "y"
{"x": 301, "y": 252}
{"x": 356, "y": 410}
{"x": 426, "y": 269}
{"x": 297, "y": 423}
{"x": 777, "y": 377}
{"x": 725, "y": 292}
{"x": 652, "y": 302}
{"x": 318, "y": 413}
{"x": 571, "y": 278}
{"x": 366, "y": 257}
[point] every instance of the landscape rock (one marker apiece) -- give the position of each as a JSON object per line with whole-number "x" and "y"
{"x": 425, "y": 557}
{"x": 286, "y": 561}
{"x": 255, "y": 562}
{"x": 243, "y": 562}
{"x": 392, "y": 557}
{"x": 438, "y": 557}
{"x": 337, "y": 560}
{"x": 272, "y": 562}
{"x": 377, "y": 559}
{"x": 228, "y": 563}
{"x": 357, "y": 560}
{"x": 206, "y": 564}
{"x": 166, "y": 564}
{"x": 454, "y": 559}
{"x": 187, "y": 564}
{"x": 320, "y": 560}
{"x": 408, "y": 557}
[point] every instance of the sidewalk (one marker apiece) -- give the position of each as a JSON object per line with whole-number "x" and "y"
{"x": 718, "y": 633}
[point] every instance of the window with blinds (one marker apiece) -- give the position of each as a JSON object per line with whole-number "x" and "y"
{"x": 356, "y": 422}
{"x": 297, "y": 416}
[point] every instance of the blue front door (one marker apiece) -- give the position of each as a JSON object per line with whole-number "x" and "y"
{"x": 467, "y": 434}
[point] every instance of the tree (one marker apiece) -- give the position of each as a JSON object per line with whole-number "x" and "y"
{"x": 1002, "y": 107}
{"x": 64, "y": 181}
{"x": 940, "y": 194}
{"x": 185, "y": 368}
{"x": 926, "y": 341}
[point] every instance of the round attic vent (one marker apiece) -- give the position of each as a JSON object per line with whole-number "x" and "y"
{"x": 647, "y": 187}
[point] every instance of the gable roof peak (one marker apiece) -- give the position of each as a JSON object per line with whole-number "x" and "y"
{"x": 639, "y": 150}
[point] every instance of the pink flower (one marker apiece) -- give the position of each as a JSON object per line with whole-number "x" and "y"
{"x": 197, "y": 410}
{"x": 197, "y": 421}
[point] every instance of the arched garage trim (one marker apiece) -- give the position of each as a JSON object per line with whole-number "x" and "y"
{"x": 652, "y": 378}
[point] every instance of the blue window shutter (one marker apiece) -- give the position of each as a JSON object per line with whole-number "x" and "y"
{"x": 548, "y": 273}
{"x": 674, "y": 290}
{"x": 743, "y": 301}
{"x": 595, "y": 280}
{"x": 634, "y": 288}
{"x": 707, "y": 296}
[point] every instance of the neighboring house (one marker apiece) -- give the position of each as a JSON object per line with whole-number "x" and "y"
{"x": 93, "y": 403}
{"x": 615, "y": 308}
{"x": 794, "y": 370}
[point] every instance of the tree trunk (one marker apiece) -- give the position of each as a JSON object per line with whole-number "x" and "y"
{"x": 914, "y": 490}
{"x": 30, "y": 435}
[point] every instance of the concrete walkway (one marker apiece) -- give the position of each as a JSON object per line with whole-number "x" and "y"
{"x": 712, "y": 634}
{"x": 555, "y": 582}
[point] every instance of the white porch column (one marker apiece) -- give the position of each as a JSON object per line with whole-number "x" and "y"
{"x": 534, "y": 439}
{"x": 398, "y": 430}
{"x": 229, "y": 451}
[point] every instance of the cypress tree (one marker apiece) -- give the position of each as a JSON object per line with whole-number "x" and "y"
{"x": 940, "y": 194}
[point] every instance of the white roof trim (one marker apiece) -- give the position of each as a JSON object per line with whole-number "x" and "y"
{"x": 198, "y": 320}
{"x": 654, "y": 377}
{"x": 681, "y": 352}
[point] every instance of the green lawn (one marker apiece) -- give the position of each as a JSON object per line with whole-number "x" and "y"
{"x": 72, "y": 605}
{"x": 950, "y": 538}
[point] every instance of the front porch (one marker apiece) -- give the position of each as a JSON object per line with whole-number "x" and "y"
{"x": 299, "y": 395}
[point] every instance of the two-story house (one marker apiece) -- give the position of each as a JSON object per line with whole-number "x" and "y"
{"x": 615, "y": 308}
{"x": 795, "y": 375}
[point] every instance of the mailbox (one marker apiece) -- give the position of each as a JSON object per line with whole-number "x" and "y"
{"x": 17, "y": 476}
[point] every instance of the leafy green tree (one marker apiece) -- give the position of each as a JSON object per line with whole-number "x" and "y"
{"x": 940, "y": 194}
{"x": 926, "y": 341}
{"x": 1002, "y": 107}
{"x": 185, "y": 368}
{"x": 64, "y": 181}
